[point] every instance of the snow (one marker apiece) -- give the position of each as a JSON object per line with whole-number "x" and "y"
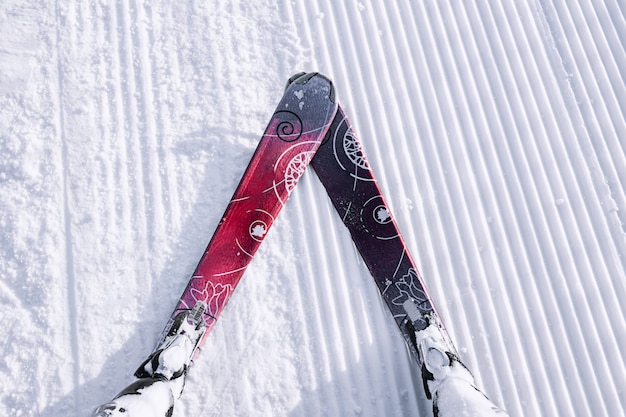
{"x": 496, "y": 130}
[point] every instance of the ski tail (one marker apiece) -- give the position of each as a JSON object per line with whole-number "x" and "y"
{"x": 341, "y": 165}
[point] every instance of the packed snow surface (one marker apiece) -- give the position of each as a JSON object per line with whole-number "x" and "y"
{"x": 497, "y": 132}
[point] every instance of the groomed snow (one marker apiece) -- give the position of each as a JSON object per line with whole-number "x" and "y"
{"x": 496, "y": 130}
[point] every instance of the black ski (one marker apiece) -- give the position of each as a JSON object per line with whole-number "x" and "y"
{"x": 344, "y": 171}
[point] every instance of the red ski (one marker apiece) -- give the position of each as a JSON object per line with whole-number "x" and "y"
{"x": 291, "y": 139}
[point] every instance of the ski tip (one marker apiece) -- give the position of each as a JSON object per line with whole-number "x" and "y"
{"x": 302, "y": 78}
{"x": 293, "y": 78}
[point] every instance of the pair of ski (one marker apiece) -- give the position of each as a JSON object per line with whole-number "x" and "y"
{"x": 308, "y": 127}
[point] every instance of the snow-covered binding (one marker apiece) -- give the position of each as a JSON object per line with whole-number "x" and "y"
{"x": 161, "y": 377}
{"x": 173, "y": 356}
{"x": 447, "y": 381}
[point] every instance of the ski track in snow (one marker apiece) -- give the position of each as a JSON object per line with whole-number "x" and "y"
{"x": 496, "y": 131}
